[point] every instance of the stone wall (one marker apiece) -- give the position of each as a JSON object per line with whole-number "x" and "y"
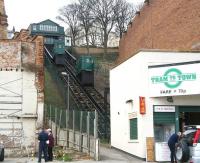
{"x": 83, "y": 50}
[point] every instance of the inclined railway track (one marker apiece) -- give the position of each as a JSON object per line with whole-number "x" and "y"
{"x": 85, "y": 102}
{"x": 91, "y": 92}
{"x": 82, "y": 100}
{"x": 86, "y": 98}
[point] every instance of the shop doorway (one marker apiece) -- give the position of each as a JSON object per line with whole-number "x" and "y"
{"x": 164, "y": 122}
{"x": 188, "y": 116}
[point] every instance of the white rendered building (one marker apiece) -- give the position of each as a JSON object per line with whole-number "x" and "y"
{"x": 152, "y": 95}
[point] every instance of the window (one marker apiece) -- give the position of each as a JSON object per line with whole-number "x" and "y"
{"x": 48, "y": 28}
{"x": 55, "y": 28}
{"x": 34, "y": 27}
{"x": 41, "y": 27}
{"x": 48, "y": 40}
{"x": 133, "y": 128}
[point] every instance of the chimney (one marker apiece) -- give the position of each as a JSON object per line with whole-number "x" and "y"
{"x": 3, "y": 21}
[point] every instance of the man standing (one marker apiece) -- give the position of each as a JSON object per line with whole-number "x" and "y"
{"x": 172, "y": 145}
{"x": 42, "y": 137}
{"x": 50, "y": 145}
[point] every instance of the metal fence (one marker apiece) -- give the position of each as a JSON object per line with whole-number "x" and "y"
{"x": 71, "y": 126}
{"x": 72, "y": 119}
{"x": 74, "y": 128}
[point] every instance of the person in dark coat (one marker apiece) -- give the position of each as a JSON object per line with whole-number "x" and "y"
{"x": 172, "y": 145}
{"x": 50, "y": 145}
{"x": 43, "y": 138}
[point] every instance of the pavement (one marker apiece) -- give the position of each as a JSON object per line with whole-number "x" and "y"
{"x": 107, "y": 155}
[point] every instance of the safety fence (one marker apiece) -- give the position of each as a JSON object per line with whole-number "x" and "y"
{"x": 74, "y": 129}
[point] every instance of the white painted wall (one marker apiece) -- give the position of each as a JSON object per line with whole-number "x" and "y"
{"x": 18, "y": 86}
{"x": 68, "y": 41}
{"x": 29, "y": 94}
{"x": 128, "y": 81}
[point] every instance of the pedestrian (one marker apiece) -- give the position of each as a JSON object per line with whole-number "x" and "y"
{"x": 172, "y": 145}
{"x": 43, "y": 138}
{"x": 50, "y": 145}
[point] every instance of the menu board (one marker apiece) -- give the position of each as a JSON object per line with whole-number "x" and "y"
{"x": 162, "y": 151}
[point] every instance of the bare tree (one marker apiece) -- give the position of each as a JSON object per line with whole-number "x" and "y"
{"x": 124, "y": 12}
{"x": 69, "y": 15}
{"x": 85, "y": 18}
{"x": 96, "y": 36}
{"x": 103, "y": 12}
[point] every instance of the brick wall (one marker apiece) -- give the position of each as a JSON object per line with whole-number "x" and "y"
{"x": 28, "y": 56}
{"x": 23, "y": 35}
{"x": 163, "y": 24}
{"x": 33, "y": 60}
{"x": 22, "y": 71}
{"x": 39, "y": 62}
{"x": 33, "y": 49}
{"x": 3, "y": 21}
{"x": 24, "y": 53}
{"x": 10, "y": 54}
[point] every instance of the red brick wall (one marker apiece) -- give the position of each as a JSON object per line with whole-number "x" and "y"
{"x": 39, "y": 62}
{"x": 163, "y": 24}
{"x": 33, "y": 59}
{"x": 10, "y": 54}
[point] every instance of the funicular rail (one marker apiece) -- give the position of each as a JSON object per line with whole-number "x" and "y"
{"x": 83, "y": 99}
{"x": 93, "y": 95}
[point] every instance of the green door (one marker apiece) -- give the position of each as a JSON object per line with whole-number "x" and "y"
{"x": 164, "y": 117}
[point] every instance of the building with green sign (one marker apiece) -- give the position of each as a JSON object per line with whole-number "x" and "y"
{"x": 169, "y": 82}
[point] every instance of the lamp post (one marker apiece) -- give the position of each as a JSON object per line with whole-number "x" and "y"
{"x": 66, "y": 74}
{"x": 67, "y": 111}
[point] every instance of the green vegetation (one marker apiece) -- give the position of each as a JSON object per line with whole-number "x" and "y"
{"x": 52, "y": 94}
{"x": 61, "y": 155}
{"x": 105, "y": 141}
{"x": 66, "y": 157}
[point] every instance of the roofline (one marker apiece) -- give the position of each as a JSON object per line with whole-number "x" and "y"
{"x": 47, "y": 20}
{"x": 174, "y": 64}
{"x": 157, "y": 50}
{"x": 167, "y": 50}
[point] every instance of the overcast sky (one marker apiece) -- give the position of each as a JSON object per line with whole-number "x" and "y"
{"x": 21, "y": 13}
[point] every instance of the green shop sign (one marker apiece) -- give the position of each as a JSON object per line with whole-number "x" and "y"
{"x": 173, "y": 78}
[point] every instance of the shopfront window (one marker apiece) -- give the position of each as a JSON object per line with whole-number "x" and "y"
{"x": 163, "y": 132}
{"x": 164, "y": 122}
